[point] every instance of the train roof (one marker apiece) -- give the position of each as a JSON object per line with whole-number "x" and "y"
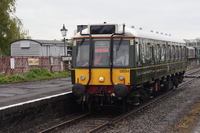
{"x": 188, "y": 47}
{"x": 193, "y": 47}
{"x": 133, "y": 32}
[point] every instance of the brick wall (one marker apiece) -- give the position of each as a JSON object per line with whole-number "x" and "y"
{"x": 24, "y": 64}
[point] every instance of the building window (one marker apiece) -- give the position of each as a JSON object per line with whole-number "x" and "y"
{"x": 25, "y": 45}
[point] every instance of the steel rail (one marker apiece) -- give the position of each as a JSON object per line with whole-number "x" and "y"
{"x": 56, "y": 127}
{"x": 193, "y": 71}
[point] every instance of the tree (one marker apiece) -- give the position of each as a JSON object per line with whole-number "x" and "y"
{"x": 11, "y": 27}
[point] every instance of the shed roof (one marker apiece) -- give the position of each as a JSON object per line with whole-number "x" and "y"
{"x": 49, "y": 41}
{"x": 41, "y": 42}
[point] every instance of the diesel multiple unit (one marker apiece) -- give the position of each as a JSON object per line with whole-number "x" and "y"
{"x": 114, "y": 65}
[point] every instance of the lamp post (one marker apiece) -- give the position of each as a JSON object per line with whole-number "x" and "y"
{"x": 64, "y": 33}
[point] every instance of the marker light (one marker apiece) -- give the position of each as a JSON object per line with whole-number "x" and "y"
{"x": 121, "y": 77}
{"x": 82, "y": 77}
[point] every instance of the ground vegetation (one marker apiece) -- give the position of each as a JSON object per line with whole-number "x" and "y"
{"x": 33, "y": 74}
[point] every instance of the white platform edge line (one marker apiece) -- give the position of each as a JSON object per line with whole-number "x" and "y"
{"x": 31, "y": 101}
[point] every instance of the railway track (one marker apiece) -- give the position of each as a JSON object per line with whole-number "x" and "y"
{"x": 95, "y": 124}
{"x": 123, "y": 116}
{"x": 89, "y": 120}
{"x": 191, "y": 72}
{"x": 66, "y": 123}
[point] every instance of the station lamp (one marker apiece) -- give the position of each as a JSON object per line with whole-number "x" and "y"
{"x": 64, "y": 33}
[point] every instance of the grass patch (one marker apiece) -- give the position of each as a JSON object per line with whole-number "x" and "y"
{"x": 33, "y": 74}
{"x": 195, "y": 110}
{"x": 186, "y": 124}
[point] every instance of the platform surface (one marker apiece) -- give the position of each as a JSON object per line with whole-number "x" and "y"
{"x": 15, "y": 93}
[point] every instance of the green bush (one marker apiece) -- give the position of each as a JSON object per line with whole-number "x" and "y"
{"x": 33, "y": 74}
{"x": 16, "y": 77}
{"x": 4, "y": 80}
{"x": 41, "y": 72}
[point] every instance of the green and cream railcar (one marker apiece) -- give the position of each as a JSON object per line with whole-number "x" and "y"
{"x": 153, "y": 62}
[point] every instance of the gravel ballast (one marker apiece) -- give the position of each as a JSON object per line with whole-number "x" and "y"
{"x": 163, "y": 116}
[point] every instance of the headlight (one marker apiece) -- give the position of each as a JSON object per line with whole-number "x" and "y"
{"x": 121, "y": 77}
{"x": 101, "y": 79}
{"x": 82, "y": 77}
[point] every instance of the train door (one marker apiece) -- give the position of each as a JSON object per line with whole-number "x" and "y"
{"x": 141, "y": 52}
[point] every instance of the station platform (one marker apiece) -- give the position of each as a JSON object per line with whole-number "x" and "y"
{"x": 15, "y": 94}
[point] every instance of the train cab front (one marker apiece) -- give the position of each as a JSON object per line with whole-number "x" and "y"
{"x": 100, "y": 84}
{"x": 101, "y": 66}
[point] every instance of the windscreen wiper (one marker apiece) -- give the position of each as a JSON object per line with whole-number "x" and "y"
{"x": 119, "y": 44}
{"x": 82, "y": 41}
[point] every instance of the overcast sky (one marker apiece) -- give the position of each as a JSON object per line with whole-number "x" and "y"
{"x": 45, "y": 18}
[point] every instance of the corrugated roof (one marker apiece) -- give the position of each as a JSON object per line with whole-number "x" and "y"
{"x": 41, "y": 41}
{"x": 49, "y": 41}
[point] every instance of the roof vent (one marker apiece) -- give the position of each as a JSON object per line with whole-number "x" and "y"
{"x": 140, "y": 28}
{"x": 157, "y": 32}
{"x": 132, "y": 26}
{"x": 169, "y": 34}
{"x": 161, "y": 33}
{"x": 165, "y": 33}
{"x": 104, "y": 22}
{"x": 151, "y": 31}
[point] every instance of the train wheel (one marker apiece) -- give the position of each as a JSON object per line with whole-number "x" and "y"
{"x": 144, "y": 96}
{"x": 92, "y": 105}
{"x": 175, "y": 82}
{"x": 166, "y": 86}
{"x": 128, "y": 107}
{"x": 180, "y": 79}
{"x": 125, "y": 105}
{"x": 128, "y": 104}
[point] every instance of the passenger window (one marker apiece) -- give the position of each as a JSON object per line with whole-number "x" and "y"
{"x": 157, "y": 52}
{"x": 184, "y": 52}
{"x": 180, "y": 50}
{"x": 148, "y": 51}
{"x": 176, "y": 53}
{"x": 172, "y": 53}
{"x": 142, "y": 52}
{"x": 162, "y": 47}
{"x": 167, "y": 52}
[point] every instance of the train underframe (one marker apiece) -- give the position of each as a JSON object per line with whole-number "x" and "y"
{"x": 136, "y": 94}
